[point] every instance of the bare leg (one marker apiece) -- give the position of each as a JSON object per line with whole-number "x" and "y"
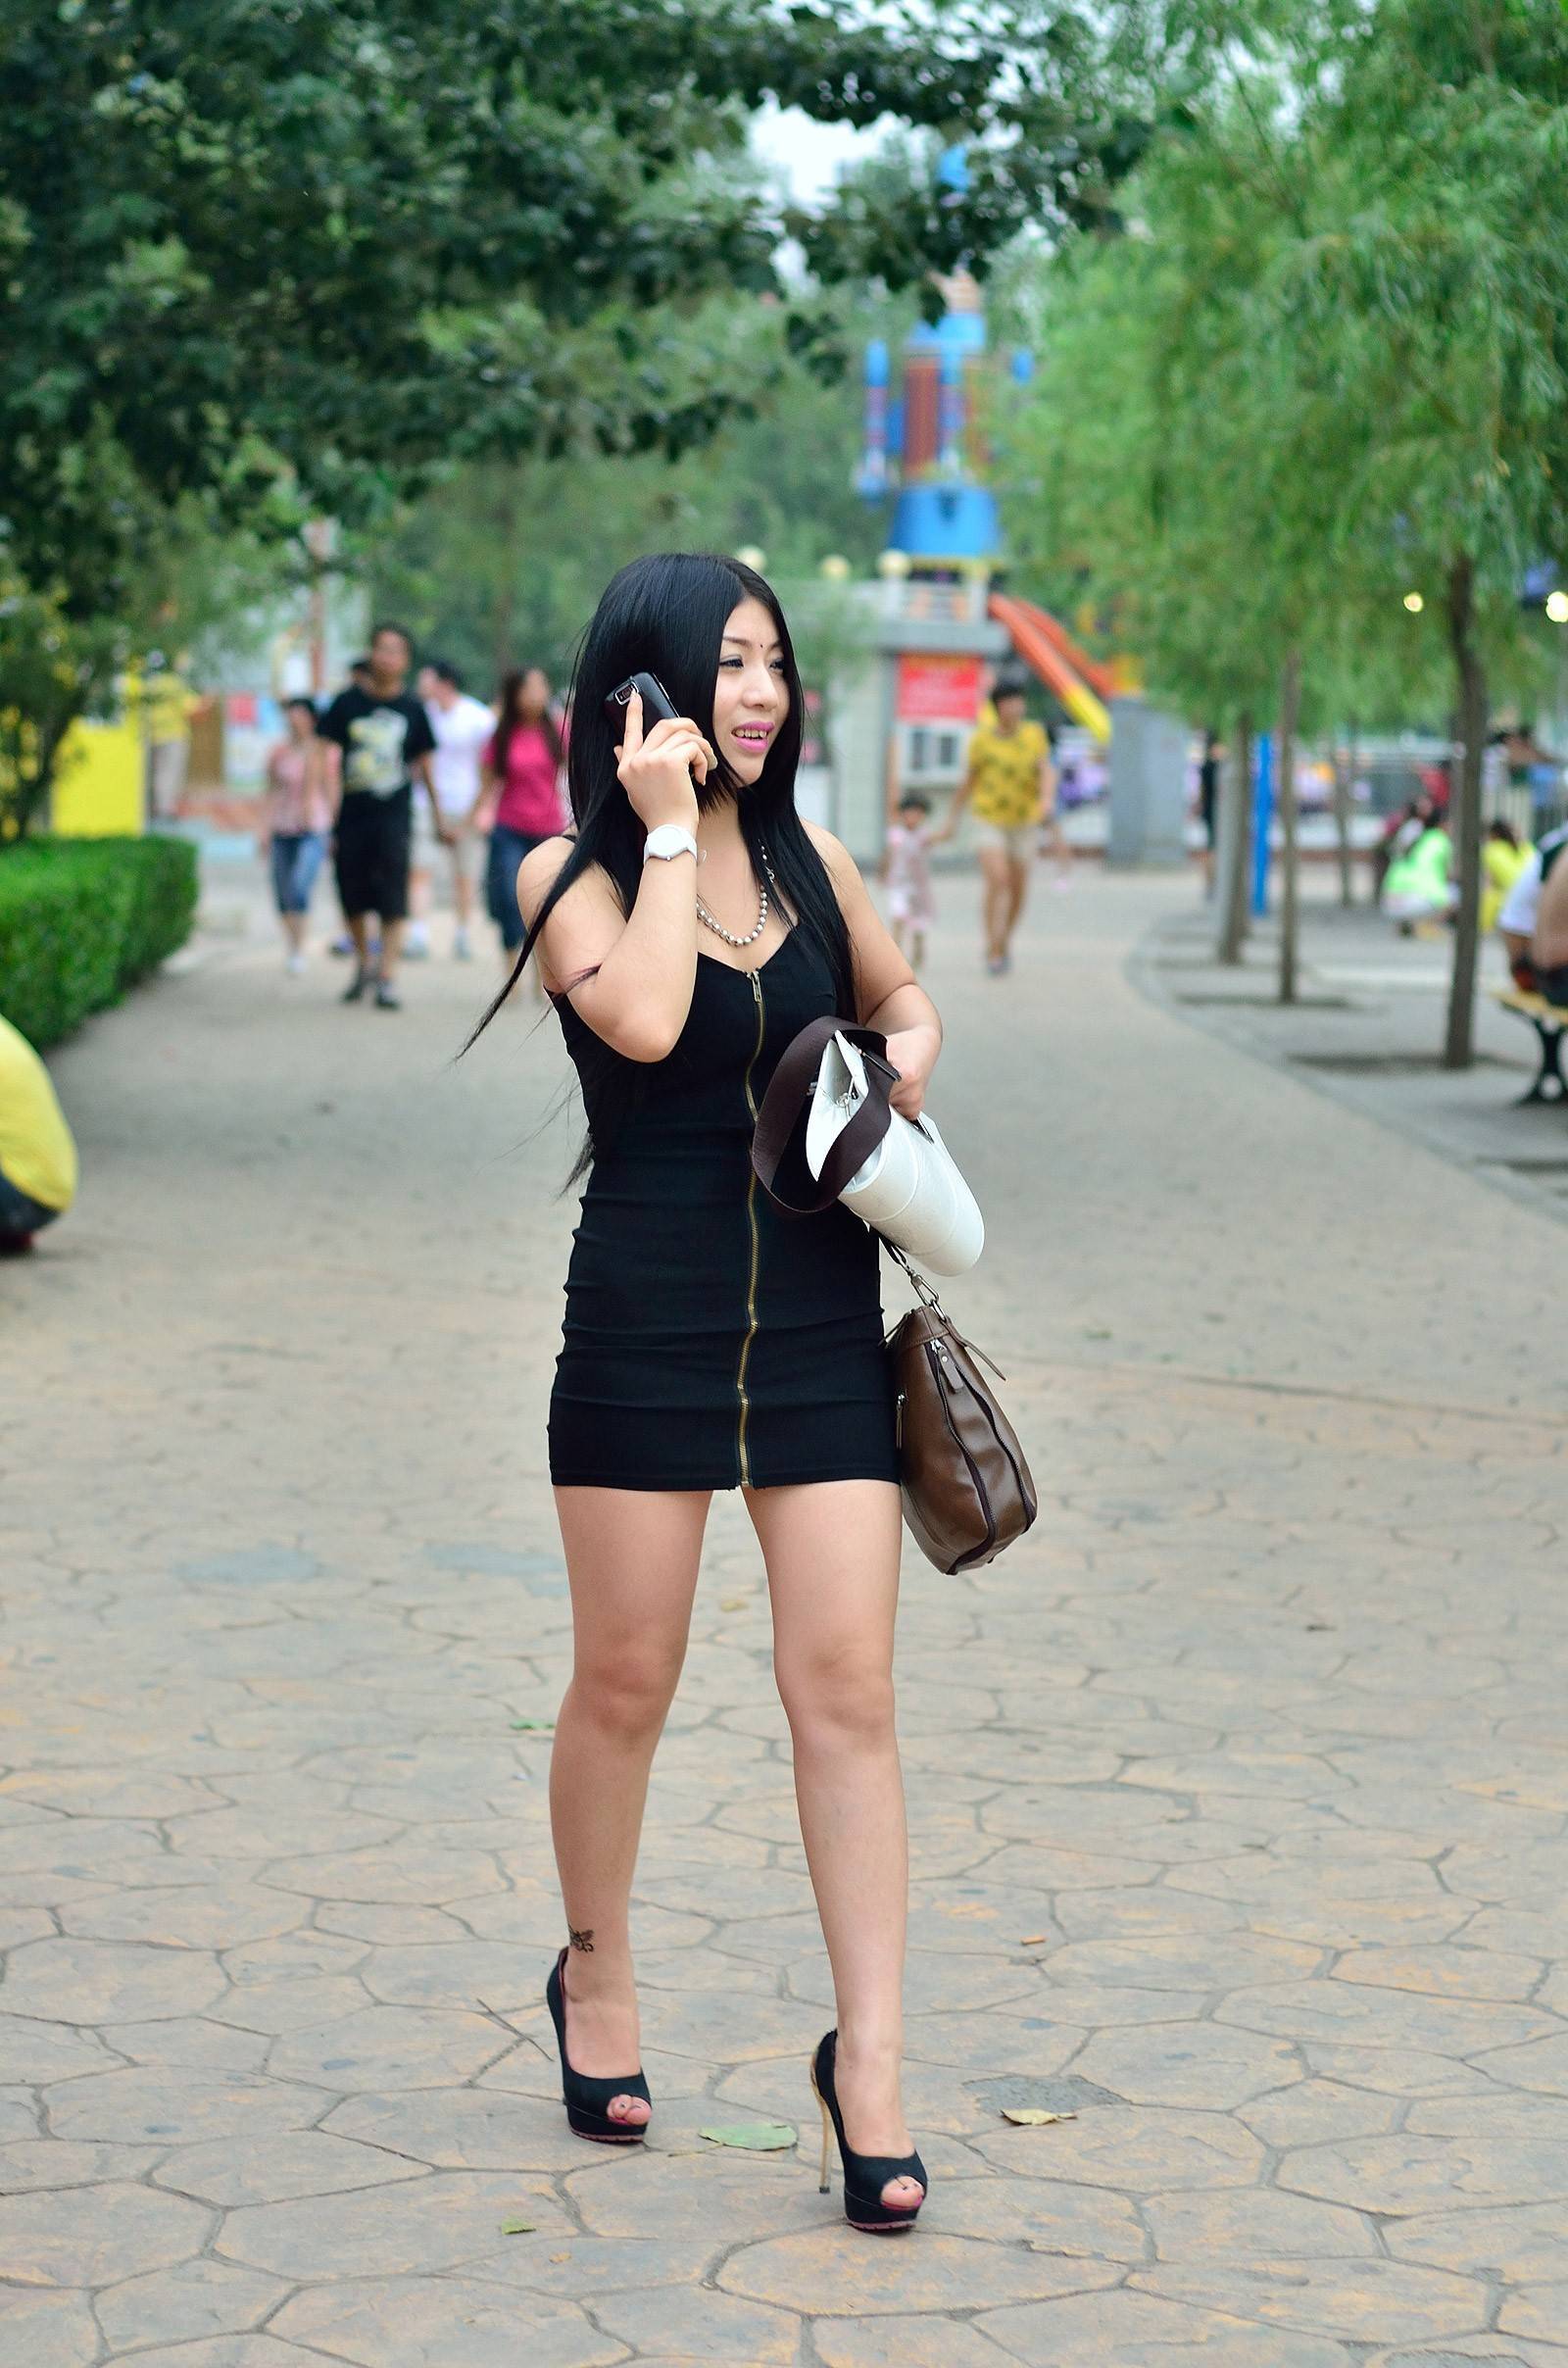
{"x": 391, "y": 948}
{"x": 896, "y": 932}
{"x": 832, "y": 1555}
{"x": 1018, "y": 889}
{"x": 994, "y": 869}
{"x": 918, "y": 953}
{"x": 632, "y": 1558}
{"x": 359, "y": 930}
{"x": 462, "y": 885}
{"x": 294, "y": 930}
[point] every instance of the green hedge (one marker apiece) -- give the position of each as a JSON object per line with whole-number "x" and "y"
{"x": 82, "y": 920}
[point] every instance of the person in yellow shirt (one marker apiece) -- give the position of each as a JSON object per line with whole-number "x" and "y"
{"x": 170, "y": 702}
{"x": 1009, "y": 787}
{"x": 1502, "y": 858}
{"x": 37, "y": 1156}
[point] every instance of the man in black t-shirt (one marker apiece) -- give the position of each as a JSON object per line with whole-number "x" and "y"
{"x": 387, "y": 740}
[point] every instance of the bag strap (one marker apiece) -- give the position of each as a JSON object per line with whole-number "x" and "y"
{"x": 785, "y": 1102}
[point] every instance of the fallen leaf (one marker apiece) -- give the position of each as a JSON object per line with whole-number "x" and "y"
{"x": 1033, "y": 2117}
{"x": 519, "y": 1725}
{"x": 733, "y": 1602}
{"x": 561, "y": 2256}
{"x": 757, "y": 2137}
{"x": 1033, "y": 1940}
{"x": 517, "y": 2228}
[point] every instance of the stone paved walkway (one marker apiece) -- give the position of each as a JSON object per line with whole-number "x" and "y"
{"x": 1238, "y": 1792}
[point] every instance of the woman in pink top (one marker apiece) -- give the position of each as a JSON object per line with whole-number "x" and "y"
{"x": 523, "y": 776}
{"x": 303, "y": 782}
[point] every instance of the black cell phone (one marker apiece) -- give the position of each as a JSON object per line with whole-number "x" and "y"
{"x": 657, "y": 701}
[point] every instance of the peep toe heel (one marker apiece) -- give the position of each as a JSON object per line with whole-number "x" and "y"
{"x": 587, "y": 2099}
{"x": 864, "y": 2175}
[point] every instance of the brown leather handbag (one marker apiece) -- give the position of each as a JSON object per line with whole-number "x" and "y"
{"x": 967, "y": 1489}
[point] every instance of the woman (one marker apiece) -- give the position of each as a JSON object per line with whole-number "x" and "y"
{"x": 521, "y": 775}
{"x": 1502, "y": 858}
{"x": 304, "y": 783}
{"x": 712, "y": 1342}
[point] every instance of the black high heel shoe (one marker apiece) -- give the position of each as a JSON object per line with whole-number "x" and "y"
{"x": 864, "y": 2175}
{"x": 587, "y": 2099}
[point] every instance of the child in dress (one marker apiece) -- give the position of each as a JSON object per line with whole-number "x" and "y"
{"x": 907, "y": 875}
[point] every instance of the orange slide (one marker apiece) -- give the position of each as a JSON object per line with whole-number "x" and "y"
{"x": 1050, "y": 651}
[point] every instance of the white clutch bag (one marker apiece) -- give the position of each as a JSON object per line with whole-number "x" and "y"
{"x": 895, "y": 1174}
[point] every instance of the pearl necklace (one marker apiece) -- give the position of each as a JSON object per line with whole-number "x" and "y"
{"x": 752, "y": 935}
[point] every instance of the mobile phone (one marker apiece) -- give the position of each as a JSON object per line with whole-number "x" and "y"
{"x": 657, "y": 701}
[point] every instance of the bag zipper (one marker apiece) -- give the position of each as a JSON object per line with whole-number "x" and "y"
{"x": 742, "y": 1456}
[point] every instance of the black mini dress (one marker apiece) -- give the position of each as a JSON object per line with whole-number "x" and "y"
{"x": 711, "y": 1341}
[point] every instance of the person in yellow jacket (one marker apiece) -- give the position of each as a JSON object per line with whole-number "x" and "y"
{"x": 37, "y": 1156}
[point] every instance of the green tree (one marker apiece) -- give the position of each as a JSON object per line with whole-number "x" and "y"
{"x": 1329, "y": 362}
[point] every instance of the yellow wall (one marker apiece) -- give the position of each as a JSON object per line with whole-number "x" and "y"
{"x": 99, "y": 788}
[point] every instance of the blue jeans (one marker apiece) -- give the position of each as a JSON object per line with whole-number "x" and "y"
{"x": 506, "y": 850}
{"x": 296, "y": 860}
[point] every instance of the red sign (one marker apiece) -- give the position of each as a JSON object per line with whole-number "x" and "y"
{"x": 938, "y": 689}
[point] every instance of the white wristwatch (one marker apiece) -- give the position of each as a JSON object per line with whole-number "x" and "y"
{"x": 668, "y": 841}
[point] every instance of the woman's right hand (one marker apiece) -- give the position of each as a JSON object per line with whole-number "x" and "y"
{"x": 656, "y": 772}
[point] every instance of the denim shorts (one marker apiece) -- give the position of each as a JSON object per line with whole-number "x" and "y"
{"x": 297, "y": 856}
{"x": 506, "y": 850}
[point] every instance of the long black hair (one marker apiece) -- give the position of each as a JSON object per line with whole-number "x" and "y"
{"x": 665, "y": 615}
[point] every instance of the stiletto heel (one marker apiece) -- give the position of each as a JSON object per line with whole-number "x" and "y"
{"x": 864, "y": 2175}
{"x": 586, "y": 2097}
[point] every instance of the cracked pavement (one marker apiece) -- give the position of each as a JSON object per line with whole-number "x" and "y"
{"x": 1236, "y": 1792}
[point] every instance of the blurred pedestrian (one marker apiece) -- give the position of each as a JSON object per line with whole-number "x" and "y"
{"x": 1209, "y": 804}
{"x": 387, "y": 740}
{"x": 907, "y": 875}
{"x": 1516, "y": 922}
{"x": 521, "y": 771}
{"x": 304, "y": 780}
{"x": 37, "y": 1156}
{"x": 1419, "y": 885}
{"x": 1548, "y": 946}
{"x": 463, "y": 727}
{"x": 170, "y": 702}
{"x": 1009, "y": 786}
{"x": 1502, "y": 858}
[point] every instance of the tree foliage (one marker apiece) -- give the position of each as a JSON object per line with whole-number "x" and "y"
{"x": 1328, "y": 363}
{"x": 336, "y": 244}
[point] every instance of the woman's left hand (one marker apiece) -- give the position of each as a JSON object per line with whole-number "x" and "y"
{"x": 914, "y": 1054}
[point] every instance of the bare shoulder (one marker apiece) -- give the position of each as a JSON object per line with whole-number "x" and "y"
{"x": 841, "y": 865}
{"x": 540, "y": 869}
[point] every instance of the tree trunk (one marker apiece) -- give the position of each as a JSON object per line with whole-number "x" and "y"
{"x": 1290, "y": 709}
{"x": 1464, "y": 820}
{"x": 1343, "y": 808}
{"x": 1237, "y": 787}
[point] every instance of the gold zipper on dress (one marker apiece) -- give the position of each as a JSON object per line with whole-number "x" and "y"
{"x": 744, "y": 1406}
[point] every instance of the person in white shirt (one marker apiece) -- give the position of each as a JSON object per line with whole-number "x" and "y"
{"x": 463, "y": 727}
{"x": 1516, "y": 922}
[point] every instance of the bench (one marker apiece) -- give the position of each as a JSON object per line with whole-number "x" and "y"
{"x": 1548, "y": 1020}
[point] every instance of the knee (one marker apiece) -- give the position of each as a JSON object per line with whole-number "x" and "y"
{"x": 842, "y": 1698}
{"x": 627, "y": 1694}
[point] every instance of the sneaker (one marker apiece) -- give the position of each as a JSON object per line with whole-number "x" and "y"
{"x": 356, "y": 987}
{"x": 342, "y": 945}
{"x": 295, "y": 966}
{"x": 416, "y": 942}
{"x": 386, "y": 1000}
{"x": 462, "y": 951}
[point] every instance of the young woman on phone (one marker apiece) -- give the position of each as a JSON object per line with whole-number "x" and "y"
{"x": 687, "y": 931}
